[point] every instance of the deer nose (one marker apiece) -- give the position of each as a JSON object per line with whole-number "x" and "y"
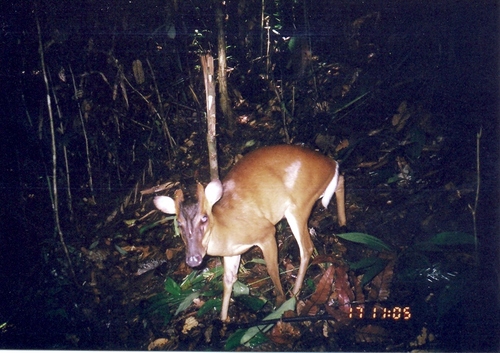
{"x": 194, "y": 260}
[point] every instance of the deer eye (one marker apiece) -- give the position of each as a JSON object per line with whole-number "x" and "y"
{"x": 204, "y": 219}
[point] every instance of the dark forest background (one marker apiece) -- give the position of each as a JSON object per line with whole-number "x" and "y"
{"x": 403, "y": 93}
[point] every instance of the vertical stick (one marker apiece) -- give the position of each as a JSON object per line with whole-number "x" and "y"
{"x": 207, "y": 62}
{"x": 84, "y": 131}
{"x": 55, "y": 198}
{"x": 225, "y": 102}
{"x": 473, "y": 209}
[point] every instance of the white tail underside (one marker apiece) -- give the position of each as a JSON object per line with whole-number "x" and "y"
{"x": 330, "y": 189}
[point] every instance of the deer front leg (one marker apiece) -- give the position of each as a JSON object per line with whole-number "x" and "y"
{"x": 270, "y": 251}
{"x": 231, "y": 264}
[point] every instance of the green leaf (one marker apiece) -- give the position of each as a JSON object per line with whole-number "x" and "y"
{"x": 253, "y": 303}
{"x": 240, "y": 289}
{"x": 172, "y": 287}
{"x": 167, "y": 316}
{"x": 394, "y": 179}
{"x": 57, "y": 314}
{"x": 366, "y": 239}
{"x": 120, "y": 250}
{"x": 417, "y": 142}
{"x": 145, "y": 228}
{"x": 213, "y": 272}
{"x": 149, "y": 226}
{"x": 258, "y": 261}
{"x": 363, "y": 263}
{"x": 252, "y": 331}
{"x": 210, "y": 305}
{"x": 234, "y": 340}
{"x": 160, "y": 307}
{"x": 192, "y": 280}
{"x": 426, "y": 246}
{"x": 187, "y": 302}
{"x": 456, "y": 292}
{"x": 250, "y": 143}
{"x": 372, "y": 266}
{"x": 257, "y": 340}
{"x": 211, "y": 293}
{"x": 452, "y": 238}
{"x": 171, "y": 30}
{"x": 310, "y": 284}
{"x": 177, "y": 232}
{"x": 378, "y": 266}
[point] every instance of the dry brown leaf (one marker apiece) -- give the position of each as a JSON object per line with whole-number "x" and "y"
{"x": 358, "y": 290}
{"x": 172, "y": 252}
{"x": 380, "y": 285}
{"x": 320, "y": 296}
{"x": 372, "y": 334}
{"x": 343, "y": 291}
{"x": 343, "y": 144}
{"x": 157, "y": 188}
{"x": 183, "y": 269}
{"x": 157, "y": 344}
{"x": 399, "y": 120}
{"x": 336, "y": 313}
{"x": 189, "y": 324}
{"x": 138, "y": 71}
{"x": 321, "y": 259}
{"x": 284, "y": 333}
{"x": 423, "y": 338}
{"x": 322, "y": 293}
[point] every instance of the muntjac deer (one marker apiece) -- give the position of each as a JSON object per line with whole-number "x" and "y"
{"x": 241, "y": 212}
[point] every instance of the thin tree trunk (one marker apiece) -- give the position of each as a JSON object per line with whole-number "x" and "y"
{"x": 225, "y": 102}
{"x": 207, "y": 62}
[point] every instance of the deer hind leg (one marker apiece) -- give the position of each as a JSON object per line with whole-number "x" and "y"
{"x": 270, "y": 251}
{"x": 297, "y": 220}
{"x": 340, "y": 197}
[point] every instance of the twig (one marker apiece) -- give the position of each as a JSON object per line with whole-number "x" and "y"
{"x": 156, "y": 112}
{"x": 284, "y": 111}
{"x": 160, "y": 108}
{"x": 87, "y": 149}
{"x": 473, "y": 209}
{"x": 246, "y": 325}
{"x": 65, "y": 153}
{"x": 55, "y": 200}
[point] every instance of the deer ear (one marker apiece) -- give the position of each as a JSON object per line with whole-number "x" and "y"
{"x": 213, "y": 192}
{"x": 165, "y": 204}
